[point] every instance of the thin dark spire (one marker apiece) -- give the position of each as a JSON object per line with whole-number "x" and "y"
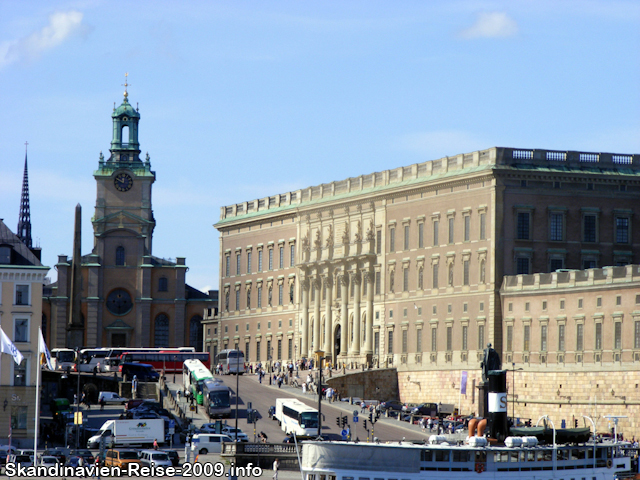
{"x": 24, "y": 221}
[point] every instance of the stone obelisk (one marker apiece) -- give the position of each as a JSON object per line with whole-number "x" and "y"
{"x": 75, "y": 327}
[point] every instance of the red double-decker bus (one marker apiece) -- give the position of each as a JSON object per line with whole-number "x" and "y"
{"x": 168, "y": 360}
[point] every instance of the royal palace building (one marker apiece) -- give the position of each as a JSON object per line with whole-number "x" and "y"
{"x": 405, "y": 267}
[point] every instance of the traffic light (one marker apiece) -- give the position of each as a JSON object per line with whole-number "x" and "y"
{"x": 371, "y": 417}
{"x": 575, "y": 423}
{"x": 364, "y": 424}
{"x": 338, "y": 421}
{"x": 344, "y": 421}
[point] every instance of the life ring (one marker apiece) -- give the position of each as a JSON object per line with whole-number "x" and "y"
{"x": 479, "y": 467}
{"x": 609, "y": 463}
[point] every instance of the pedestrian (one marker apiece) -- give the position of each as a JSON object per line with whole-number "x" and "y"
{"x": 276, "y": 466}
{"x": 75, "y": 398}
{"x": 96, "y": 469}
{"x": 155, "y": 444}
{"x": 178, "y": 394}
{"x": 102, "y": 402}
{"x": 83, "y": 398}
{"x": 260, "y": 375}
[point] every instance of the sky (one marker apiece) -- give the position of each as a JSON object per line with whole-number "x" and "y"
{"x": 242, "y": 100}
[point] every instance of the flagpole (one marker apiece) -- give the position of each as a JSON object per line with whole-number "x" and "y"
{"x": 38, "y": 374}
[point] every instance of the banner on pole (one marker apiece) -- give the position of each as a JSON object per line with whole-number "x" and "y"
{"x": 463, "y": 383}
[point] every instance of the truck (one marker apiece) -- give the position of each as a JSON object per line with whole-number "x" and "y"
{"x": 129, "y": 432}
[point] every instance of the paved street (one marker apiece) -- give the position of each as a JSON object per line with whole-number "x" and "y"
{"x": 262, "y": 396}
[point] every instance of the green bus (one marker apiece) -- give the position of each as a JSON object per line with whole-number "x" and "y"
{"x": 194, "y": 374}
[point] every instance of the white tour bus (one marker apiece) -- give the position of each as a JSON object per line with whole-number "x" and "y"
{"x": 297, "y": 417}
{"x": 63, "y": 358}
{"x": 232, "y": 361}
{"x": 91, "y": 357}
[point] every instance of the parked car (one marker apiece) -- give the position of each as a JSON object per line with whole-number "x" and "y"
{"x": 208, "y": 428}
{"x": 131, "y": 404}
{"x": 174, "y": 457}
{"x": 233, "y": 433}
{"x": 144, "y": 415}
{"x": 23, "y": 460}
{"x": 120, "y": 458}
{"x": 60, "y": 453}
{"x": 204, "y": 443}
{"x": 425, "y": 409}
{"x": 86, "y": 455}
{"x": 155, "y": 458}
{"x": 48, "y": 460}
{"x": 72, "y": 462}
{"x": 392, "y": 405}
{"x": 111, "y": 397}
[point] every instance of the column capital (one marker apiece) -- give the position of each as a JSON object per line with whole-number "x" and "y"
{"x": 356, "y": 278}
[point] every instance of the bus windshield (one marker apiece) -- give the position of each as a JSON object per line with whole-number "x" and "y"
{"x": 309, "y": 419}
{"x": 219, "y": 399}
{"x": 66, "y": 356}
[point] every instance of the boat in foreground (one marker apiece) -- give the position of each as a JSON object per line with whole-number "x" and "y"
{"x": 523, "y": 460}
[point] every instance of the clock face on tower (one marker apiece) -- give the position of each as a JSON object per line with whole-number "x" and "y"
{"x": 123, "y": 182}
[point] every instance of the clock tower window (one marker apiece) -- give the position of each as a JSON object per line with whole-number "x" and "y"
{"x": 120, "y": 256}
{"x": 124, "y": 135}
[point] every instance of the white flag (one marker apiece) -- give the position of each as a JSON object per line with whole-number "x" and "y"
{"x": 44, "y": 352}
{"x": 7, "y": 346}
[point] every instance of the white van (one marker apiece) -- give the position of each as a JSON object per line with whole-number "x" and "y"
{"x": 111, "y": 397}
{"x": 204, "y": 443}
{"x": 155, "y": 458}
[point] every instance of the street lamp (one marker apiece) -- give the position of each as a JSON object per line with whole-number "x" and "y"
{"x": 78, "y": 402}
{"x": 513, "y": 395}
{"x": 320, "y": 359}
{"x": 175, "y": 360}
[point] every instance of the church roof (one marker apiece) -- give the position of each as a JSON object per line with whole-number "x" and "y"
{"x": 21, "y": 253}
{"x": 125, "y": 109}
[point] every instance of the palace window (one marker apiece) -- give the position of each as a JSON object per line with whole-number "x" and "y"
{"x": 556, "y": 227}
{"x": 163, "y": 284}
{"x": 622, "y": 229}
{"x": 598, "y": 344}
{"x": 543, "y": 338}
{"x": 435, "y": 275}
{"x": 467, "y": 228}
{"x": 480, "y": 337}
{"x": 526, "y": 338}
{"x": 390, "y": 342}
{"x": 379, "y": 242}
{"x": 249, "y": 261}
{"x": 227, "y": 266}
{"x": 406, "y": 237}
{"x": 589, "y": 228}
{"x": 523, "y": 230}
{"x": 436, "y": 226}
{"x": 378, "y": 282}
{"x": 405, "y": 334}
{"x": 465, "y": 265}
{"x": 271, "y": 259}
{"x": 465, "y": 335}
{"x": 617, "y": 336}
{"x": 449, "y": 338}
{"x": 259, "y": 260}
{"x": 483, "y": 226}
{"x": 281, "y": 257}
{"x": 5, "y": 255}
{"x": 561, "y": 338}
{"x": 509, "y": 338}
{"x": 421, "y": 235}
{"x": 451, "y": 230}
{"x": 434, "y": 339}
{"x": 392, "y": 239}
{"x": 280, "y": 294}
{"x": 419, "y": 340}
{"x": 292, "y": 248}
{"x": 237, "y": 299}
{"x": 405, "y": 279}
{"x": 579, "y": 337}
{"x": 238, "y": 272}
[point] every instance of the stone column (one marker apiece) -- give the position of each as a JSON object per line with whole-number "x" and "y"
{"x": 368, "y": 342}
{"x": 317, "y": 284}
{"x": 357, "y": 280}
{"x": 328, "y": 320}
{"x": 304, "y": 334}
{"x": 344, "y": 314}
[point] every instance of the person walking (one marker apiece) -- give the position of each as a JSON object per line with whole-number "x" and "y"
{"x": 276, "y": 466}
{"x": 155, "y": 444}
{"x": 96, "y": 469}
{"x": 102, "y": 403}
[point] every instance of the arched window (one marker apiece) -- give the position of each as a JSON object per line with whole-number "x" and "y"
{"x": 120, "y": 255}
{"x": 163, "y": 284}
{"x": 161, "y": 329}
{"x": 125, "y": 135}
{"x": 196, "y": 333}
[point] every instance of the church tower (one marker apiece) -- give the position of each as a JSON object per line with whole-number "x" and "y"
{"x": 24, "y": 221}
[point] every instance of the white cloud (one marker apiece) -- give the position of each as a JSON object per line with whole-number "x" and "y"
{"x": 491, "y": 25}
{"x": 61, "y": 26}
{"x": 440, "y": 143}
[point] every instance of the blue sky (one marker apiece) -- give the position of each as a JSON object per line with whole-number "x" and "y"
{"x": 240, "y": 100}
